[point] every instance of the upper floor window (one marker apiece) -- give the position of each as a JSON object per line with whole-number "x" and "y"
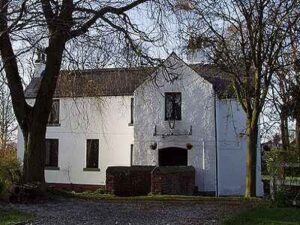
{"x": 92, "y": 154}
{"x": 173, "y": 106}
{"x": 51, "y": 153}
{"x": 54, "y": 114}
{"x": 131, "y": 110}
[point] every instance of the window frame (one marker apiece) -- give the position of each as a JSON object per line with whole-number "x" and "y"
{"x": 56, "y": 122}
{"x": 88, "y": 167}
{"x": 180, "y": 111}
{"x": 50, "y": 166}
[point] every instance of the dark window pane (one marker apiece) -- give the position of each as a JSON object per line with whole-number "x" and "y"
{"x": 172, "y": 157}
{"x": 131, "y": 108}
{"x": 54, "y": 114}
{"x": 131, "y": 154}
{"x": 92, "y": 153}
{"x": 51, "y": 152}
{"x": 173, "y": 106}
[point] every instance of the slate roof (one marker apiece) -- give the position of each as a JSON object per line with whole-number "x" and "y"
{"x": 119, "y": 82}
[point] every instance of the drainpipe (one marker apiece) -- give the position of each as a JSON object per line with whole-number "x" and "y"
{"x": 203, "y": 155}
{"x": 203, "y": 163}
{"x": 216, "y": 144}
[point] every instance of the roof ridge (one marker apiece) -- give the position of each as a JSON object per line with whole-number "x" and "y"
{"x": 109, "y": 69}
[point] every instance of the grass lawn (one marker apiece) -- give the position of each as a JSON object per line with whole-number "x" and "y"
{"x": 266, "y": 216}
{"x": 99, "y": 195}
{"x": 13, "y": 217}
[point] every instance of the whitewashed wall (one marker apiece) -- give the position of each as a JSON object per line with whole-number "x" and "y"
{"x": 104, "y": 118}
{"x": 197, "y": 110}
{"x": 231, "y": 120}
{"x": 107, "y": 119}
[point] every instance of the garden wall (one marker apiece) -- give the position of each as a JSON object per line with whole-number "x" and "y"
{"x": 129, "y": 181}
{"x": 141, "y": 180}
{"x": 174, "y": 180}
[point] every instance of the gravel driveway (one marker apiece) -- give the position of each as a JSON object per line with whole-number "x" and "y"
{"x": 76, "y": 211}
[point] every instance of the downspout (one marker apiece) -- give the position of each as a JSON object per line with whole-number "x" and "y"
{"x": 216, "y": 144}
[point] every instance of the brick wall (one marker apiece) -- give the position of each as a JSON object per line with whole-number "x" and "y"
{"x": 141, "y": 180}
{"x": 129, "y": 181}
{"x": 75, "y": 187}
{"x": 178, "y": 180}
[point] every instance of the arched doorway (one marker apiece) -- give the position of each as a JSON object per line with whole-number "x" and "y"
{"x": 172, "y": 156}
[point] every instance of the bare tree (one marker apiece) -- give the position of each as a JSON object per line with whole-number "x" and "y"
{"x": 279, "y": 103}
{"x": 59, "y": 25}
{"x": 294, "y": 37}
{"x": 7, "y": 119}
{"x": 246, "y": 39}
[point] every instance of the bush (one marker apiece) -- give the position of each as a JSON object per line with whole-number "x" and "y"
{"x": 281, "y": 171}
{"x": 280, "y": 198}
{"x": 10, "y": 169}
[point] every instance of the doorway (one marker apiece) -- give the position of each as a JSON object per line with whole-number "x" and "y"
{"x": 172, "y": 156}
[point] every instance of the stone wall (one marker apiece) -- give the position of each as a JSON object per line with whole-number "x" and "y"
{"x": 141, "y": 180}
{"x": 179, "y": 180}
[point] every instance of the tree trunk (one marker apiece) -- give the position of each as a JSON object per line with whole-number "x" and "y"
{"x": 34, "y": 156}
{"x": 284, "y": 131}
{"x": 252, "y": 137}
{"x": 298, "y": 133}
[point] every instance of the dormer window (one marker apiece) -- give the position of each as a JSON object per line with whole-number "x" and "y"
{"x": 53, "y": 119}
{"x": 172, "y": 106}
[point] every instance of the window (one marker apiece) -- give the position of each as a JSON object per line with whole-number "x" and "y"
{"x": 92, "y": 154}
{"x": 54, "y": 114}
{"x": 131, "y": 110}
{"x": 173, "y": 106}
{"x": 51, "y": 153}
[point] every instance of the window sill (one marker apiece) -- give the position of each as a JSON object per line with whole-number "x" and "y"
{"x": 167, "y": 120}
{"x": 52, "y": 168}
{"x": 53, "y": 125}
{"x": 130, "y": 124}
{"x": 91, "y": 169}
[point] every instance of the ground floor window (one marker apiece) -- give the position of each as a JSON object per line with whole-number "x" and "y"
{"x": 92, "y": 153}
{"x": 172, "y": 157}
{"x": 131, "y": 154}
{"x": 51, "y": 153}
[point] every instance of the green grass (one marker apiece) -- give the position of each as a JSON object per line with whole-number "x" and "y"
{"x": 13, "y": 216}
{"x": 266, "y": 216}
{"x": 99, "y": 195}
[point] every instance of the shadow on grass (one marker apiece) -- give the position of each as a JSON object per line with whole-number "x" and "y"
{"x": 13, "y": 217}
{"x": 266, "y": 216}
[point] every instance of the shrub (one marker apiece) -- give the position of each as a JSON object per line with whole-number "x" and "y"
{"x": 279, "y": 164}
{"x": 10, "y": 169}
{"x": 280, "y": 198}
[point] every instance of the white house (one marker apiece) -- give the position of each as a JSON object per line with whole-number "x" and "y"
{"x": 176, "y": 114}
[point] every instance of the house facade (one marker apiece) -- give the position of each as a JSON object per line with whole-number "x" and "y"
{"x": 176, "y": 114}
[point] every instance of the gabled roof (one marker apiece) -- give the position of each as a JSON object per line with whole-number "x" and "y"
{"x": 120, "y": 82}
{"x": 220, "y": 80}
